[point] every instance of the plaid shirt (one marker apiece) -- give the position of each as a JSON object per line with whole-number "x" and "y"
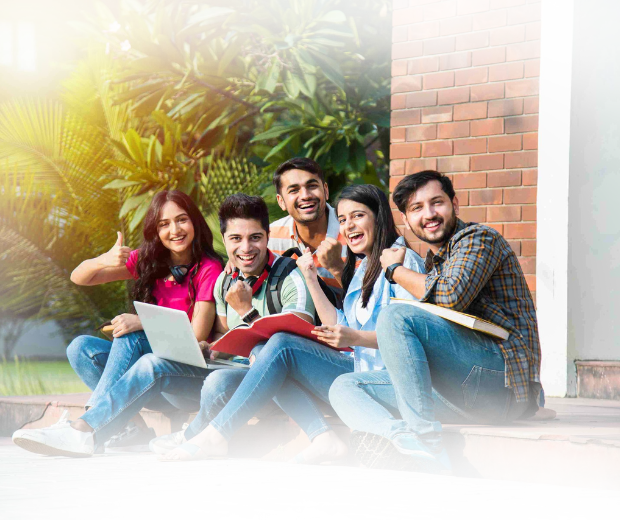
{"x": 477, "y": 271}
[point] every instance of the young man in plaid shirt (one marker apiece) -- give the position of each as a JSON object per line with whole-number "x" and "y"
{"x": 438, "y": 370}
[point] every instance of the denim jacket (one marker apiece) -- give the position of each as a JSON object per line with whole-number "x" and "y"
{"x": 369, "y": 358}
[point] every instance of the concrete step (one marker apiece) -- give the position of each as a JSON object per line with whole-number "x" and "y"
{"x": 581, "y": 446}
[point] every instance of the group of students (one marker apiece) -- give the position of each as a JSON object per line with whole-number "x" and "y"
{"x": 409, "y": 370}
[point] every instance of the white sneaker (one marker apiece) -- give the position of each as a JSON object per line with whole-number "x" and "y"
{"x": 58, "y": 439}
{"x": 166, "y": 443}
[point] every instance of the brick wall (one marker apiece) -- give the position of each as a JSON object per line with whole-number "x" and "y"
{"x": 465, "y": 102}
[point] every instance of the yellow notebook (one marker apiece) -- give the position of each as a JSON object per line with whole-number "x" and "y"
{"x": 467, "y": 320}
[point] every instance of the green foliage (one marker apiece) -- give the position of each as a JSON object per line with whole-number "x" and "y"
{"x": 23, "y": 377}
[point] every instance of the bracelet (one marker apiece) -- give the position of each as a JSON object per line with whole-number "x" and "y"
{"x": 250, "y": 316}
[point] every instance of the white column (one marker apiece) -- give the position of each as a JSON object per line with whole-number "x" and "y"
{"x": 553, "y": 196}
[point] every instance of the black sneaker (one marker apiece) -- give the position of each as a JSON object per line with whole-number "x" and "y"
{"x": 131, "y": 436}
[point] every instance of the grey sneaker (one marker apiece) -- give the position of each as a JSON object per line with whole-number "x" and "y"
{"x": 166, "y": 443}
{"x": 131, "y": 435}
{"x": 58, "y": 439}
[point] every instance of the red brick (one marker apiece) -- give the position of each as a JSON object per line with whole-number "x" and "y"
{"x": 506, "y": 71}
{"x": 452, "y": 96}
{"x": 486, "y": 92}
{"x": 418, "y": 165}
{"x": 524, "y": 87}
{"x": 471, "y": 76}
{"x": 470, "y": 146}
{"x": 488, "y": 56}
{"x": 421, "y": 132}
{"x": 504, "y": 214}
{"x": 397, "y": 135}
{"x": 399, "y": 34}
{"x": 487, "y": 162}
{"x": 452, "y": 130}
{"x": 405, "y": 117}
{"x": 397, "y": 168}
{"x": 458, "y": 25}
{"x": 440, "y": 10}
{"x": 530, "y": 105}
{"x": 406, "y": 84}
{"x": 472, "y": 6}
{"x": 509, "y": 107}
{"x": 528, "y": 248}
{"x": 525, "y": 14}
{"x": 421, "y": 99}
{"x": 470, "y": 111}
{"x": 398, "y": 101}
{"x": 472, "y": 41}
{"x": 530, "y": 141}
{"x": 489, "y": 20}
{"x": 520, "y": 230}
{"x": 453, "y": 164}
{"x": 394, "y": 182}
{"x": 399, "y": 68}
{"x": 531, "y": 283}
{"x": 422, "y": 31}
{"x": 462, "y": 197}
{"x": 515, "y": 125}
{"x": 528, "y": 265}
{"x": 530, "y": 177}
{"x": 514, "y": 244}
{"x": 439, "y": 45}
{"x": 405, "y": 151}
{"x": 487, "y": 127}
{"x": 407, "y": 16}
{"x": 522, "y": 159}
{"x": 439, "y": 80}
{"x": 436, "y": 148}
{"x": 529, "y": 213}
{"x": 407, "y": 50}
{"x": 469, "y": 214}
{"x": 532, "y": 31}
{"x": 437, "y": 114}
{"x": 505, "y": 143}
{"x": 422, "y": 65}
{"x": 508, "y": 35}
{"x": 497, "y": 227}
{"x": 504, "y": 178}
{"x": 532, "y": 68}
{"x": 520, "y": 196}
{"x": 398, "y": 219}
{"x": 485, "y": 197}
{"x": 453, "y": 61}
{"x": 523, "y": 51}
{"x": 500, "y": 4}
{"x": 464, "y": 181}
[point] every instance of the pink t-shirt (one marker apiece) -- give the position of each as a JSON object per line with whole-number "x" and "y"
{"x": 168, "y": 293}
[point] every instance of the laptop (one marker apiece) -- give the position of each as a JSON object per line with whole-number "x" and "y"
{"x": 171, "y": 337}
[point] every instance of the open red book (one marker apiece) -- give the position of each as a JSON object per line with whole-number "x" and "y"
{"x": 243, "y": 338}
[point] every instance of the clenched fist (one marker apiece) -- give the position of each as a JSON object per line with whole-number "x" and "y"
{"x": 392, "y": 256}
{"x": 239, "y": 297}
{"x": 306, "y": 265}
{"x": 329, "y": 254}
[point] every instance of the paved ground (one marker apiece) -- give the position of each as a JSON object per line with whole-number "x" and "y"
{"x": 137, "y": 485}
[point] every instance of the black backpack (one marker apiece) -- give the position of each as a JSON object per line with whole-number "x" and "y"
{"x": 281, "y": 268}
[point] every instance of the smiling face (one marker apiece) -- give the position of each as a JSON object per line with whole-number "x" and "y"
{"x": 302, "y": 195}
{"x": 357, "y": 225}
{"x": 176, "y": 231}
{"x": 246, "y": 245}
{"x": 431, "y": 215}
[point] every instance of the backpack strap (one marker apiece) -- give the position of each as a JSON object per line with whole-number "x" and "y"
{"x": 281, "y": 268}
{"x": 226, "y": 285}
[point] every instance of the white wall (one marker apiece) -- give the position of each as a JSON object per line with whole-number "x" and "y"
{"x": 594, "y": 198}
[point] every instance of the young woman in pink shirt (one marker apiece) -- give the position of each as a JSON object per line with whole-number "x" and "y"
{"x": 176, "y": 267}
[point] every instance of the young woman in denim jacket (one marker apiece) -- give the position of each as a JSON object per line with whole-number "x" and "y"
{"x": 367, "y": 224}
{"x": 176, "y": 239}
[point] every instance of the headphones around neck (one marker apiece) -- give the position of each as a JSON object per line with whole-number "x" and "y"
{"x": 180, "y": 272}
{"x": 255, "y": 282}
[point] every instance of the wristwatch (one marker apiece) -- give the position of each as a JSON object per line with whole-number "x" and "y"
{"x": 389, "y": 272}
{"x": 251, "y": 315}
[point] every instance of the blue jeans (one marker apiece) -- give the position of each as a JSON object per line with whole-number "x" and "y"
{"x": 467, "y": 370}
{"x": 146, "y": 381}
{"x": 290, "y": 369}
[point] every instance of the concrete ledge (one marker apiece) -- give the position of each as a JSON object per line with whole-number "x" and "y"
{"x": 598, "y": 379}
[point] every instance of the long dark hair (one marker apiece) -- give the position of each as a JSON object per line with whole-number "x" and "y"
{"x": 385, "y": 235}
{"x": 154, "y": 258}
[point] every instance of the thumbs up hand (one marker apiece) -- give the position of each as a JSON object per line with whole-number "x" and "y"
{"x": 118, "y": 255}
